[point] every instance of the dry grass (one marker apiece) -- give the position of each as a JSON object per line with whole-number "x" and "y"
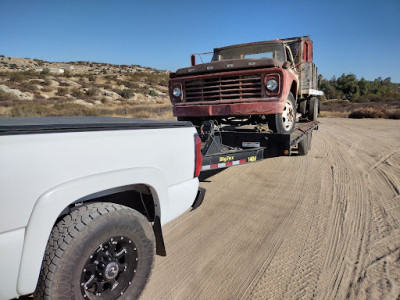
{"x": 345, "y": 108}
{"x": 62, "y": 107}
{"x": 369, "y": 112}
{"x": 90, "y": 89}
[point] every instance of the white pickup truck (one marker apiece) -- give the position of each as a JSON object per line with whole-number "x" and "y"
{"x": 83, "y": 201}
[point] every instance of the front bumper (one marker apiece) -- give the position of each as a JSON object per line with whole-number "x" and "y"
{"x": 229, "y": 109}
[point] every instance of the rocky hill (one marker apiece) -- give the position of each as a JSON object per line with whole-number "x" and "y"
{"x": 32, "y": 87}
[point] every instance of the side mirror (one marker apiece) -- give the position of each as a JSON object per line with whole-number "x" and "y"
{"x": 286, "y": 65}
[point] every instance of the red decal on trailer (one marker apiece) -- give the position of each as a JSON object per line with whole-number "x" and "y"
{"x": 214, "y": 166}
{"x": 229, "y": 163}
{"x": 242, "y": 161}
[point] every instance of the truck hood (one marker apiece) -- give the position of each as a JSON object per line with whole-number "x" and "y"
{"x": 229, "y": 65}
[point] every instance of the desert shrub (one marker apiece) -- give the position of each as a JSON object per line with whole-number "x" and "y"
{"x": 94, "y": 91}
{"x": 16, "y": 77}
{"x": 111, "y": 77}
{"x": 1, "y": 55}
{"x": 126, "y": 93}
{"x": 29, "y": 86}
{"x": 77, "y": 93}
{"x": 46, "y": 89}
{"x": 142, "y": 89}
{"x": 5, "y": 96}
{"x": 62, "y": 91}
{"x": 367, "y": 112}
{"x": 160, "y": 79}
{"x": 38, "y": 96}
{"x": 45, "y": 71}
{"x": 395, "y": 115}
{"x": 36, "y": 82}
{"x": 104, "y": 100}
{"x": 47, "y": 82}
{"x": 13, "y": 66}
{"x": 153, "y": 93}
{"x": 335, "y": 101}
{"x": 92, "y": 78}
{"x": 67, "y": 73}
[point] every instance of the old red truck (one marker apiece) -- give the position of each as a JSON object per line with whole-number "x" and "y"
{"x": 272, "y": 82}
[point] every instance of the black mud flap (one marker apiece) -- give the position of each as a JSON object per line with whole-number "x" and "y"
{"x": 199, "y": 198}
{"x": 160, "y": 246}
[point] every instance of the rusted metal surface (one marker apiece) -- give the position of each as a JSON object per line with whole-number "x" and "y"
{"x": 223, "y": 88}
{"x": 286, "y": 40}
{"x": 193, "y": 60}
{"x": 238, "y": 93}
{"x": 237, "y": 87}
{"x": 228, "y": 65}
{"x": 234, "y": 109}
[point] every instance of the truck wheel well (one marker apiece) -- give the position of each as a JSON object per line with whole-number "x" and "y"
{"x": 137, "y": 197}
{"x": 293, "y": 90}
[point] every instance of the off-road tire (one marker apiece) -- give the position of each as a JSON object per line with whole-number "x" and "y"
{"x": 81, "y": 234}
{"x": 309, "y": 139}
{"x": 276, "y": 122}
{"x": 313, "y": 109}
{"x": 303, "y": 146}
{"x": 303, "y": 108}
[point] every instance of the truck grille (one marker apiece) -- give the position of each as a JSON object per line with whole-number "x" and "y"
{"x": 223, "y": 88}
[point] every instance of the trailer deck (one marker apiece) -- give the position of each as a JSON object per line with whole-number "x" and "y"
{"x": 235, "y": 145}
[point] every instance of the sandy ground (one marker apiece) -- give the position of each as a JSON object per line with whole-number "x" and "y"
{"x": 323, "y": 226}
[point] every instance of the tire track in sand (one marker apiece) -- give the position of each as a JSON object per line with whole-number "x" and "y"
{"x": 324, "y": 226}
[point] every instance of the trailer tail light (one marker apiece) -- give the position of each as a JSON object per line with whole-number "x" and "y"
{"x": 198, "y": 157}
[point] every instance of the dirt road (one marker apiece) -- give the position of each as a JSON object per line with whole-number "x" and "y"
{"x": 323, "y": 226}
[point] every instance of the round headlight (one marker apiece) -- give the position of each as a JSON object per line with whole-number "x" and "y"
{"x": 272, "y": 84}
{"x": 177, "y": 92}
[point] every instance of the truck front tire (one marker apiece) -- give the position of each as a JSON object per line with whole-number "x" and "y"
{"x": 98, "y": 251}
{"x": 286, "y": 121}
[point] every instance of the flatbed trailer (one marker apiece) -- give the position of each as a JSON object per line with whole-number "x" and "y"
{"x": 229, "y": 146}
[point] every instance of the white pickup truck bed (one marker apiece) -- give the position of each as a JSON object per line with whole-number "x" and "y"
{"x": 52, "y": 166}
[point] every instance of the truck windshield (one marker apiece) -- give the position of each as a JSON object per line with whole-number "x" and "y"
{"x": 274, "y": 51}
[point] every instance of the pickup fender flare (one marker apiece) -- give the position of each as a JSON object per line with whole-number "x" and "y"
{"x": 51, "y": 203}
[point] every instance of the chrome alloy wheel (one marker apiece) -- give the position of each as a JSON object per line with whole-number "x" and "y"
{"x": 288, "y": 115}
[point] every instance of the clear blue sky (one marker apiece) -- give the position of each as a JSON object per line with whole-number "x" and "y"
{"x": 362, "y": 37}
